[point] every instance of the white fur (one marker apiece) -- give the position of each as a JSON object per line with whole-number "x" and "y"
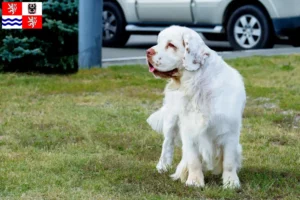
{"x": 204, "y": 111}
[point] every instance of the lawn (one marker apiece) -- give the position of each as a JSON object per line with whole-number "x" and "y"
{"x": 85, "y": 136}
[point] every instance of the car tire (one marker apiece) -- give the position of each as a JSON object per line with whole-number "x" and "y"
{"x": 294, "y": 38}
{"x": 215, "y": 36}
{"x": 249, "y": 28}
{"x": 114, "y": 33}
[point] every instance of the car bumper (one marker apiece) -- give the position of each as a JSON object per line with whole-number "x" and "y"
{"x": 285, "y": 26}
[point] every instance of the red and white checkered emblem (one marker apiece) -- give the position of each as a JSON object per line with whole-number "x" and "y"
{"x": 22, "y": 15}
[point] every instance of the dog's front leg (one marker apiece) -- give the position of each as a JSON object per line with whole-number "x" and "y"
{"x": 170, "y": 131}
{"x": 231, "y": 163}
{"x": 190, "y": 153}
{"x": 191, "y": 128}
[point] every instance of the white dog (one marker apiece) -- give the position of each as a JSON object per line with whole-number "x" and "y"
{"x": 203, "y": 106}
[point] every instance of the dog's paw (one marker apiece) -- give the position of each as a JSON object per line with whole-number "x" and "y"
{"x": 195, "y": 180}
{"x": 231, "y": 181}
{"x": 231, "y": 184}
{"x": 194, "y": 183}
{"x": 181, "y": 172}
{"x": 162, "y": 166}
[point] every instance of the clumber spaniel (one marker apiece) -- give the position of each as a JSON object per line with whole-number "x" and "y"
{"x": 202, "y": 109}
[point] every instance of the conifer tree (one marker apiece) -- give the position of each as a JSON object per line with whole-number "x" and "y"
{"x": 55, "y": 46}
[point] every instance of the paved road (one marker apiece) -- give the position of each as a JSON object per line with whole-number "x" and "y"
{"x": 137, "y": 46}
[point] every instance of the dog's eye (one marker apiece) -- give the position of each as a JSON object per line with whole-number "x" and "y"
{"x": 171, "y": 45}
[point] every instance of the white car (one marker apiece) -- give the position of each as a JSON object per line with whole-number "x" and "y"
{"x": 246, "y": 24}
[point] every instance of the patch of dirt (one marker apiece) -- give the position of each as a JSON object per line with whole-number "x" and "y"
{"x": 87, "y": 104}
{"x": 269, "y": 105}
{"x": 287, "y": 112}
{"x": 262, "y": 99}
{"x": 278, "y": 143}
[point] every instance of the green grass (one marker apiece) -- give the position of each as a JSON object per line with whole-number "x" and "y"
{"x": 85, "y": 136}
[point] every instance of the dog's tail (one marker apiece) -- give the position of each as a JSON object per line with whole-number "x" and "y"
{"x": 156, "y": 121}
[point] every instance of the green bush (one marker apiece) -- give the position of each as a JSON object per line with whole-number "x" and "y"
{"x": 54, "y": 47}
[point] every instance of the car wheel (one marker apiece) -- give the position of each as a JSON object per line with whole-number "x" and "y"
{"x": 248, "y": 28}
{"x": 114, "y": 33}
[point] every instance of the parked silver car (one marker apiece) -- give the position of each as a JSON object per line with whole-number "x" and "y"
{"x": 246, "y": 24}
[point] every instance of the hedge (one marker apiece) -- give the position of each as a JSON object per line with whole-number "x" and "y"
{"x": 53, "y": 47}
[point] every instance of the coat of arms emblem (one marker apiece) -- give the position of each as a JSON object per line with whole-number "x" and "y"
{"x": 31, "y": 8}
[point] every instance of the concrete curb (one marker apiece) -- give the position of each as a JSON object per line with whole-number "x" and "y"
{"x": 225, "y": 55}
{"x": 124, "y": 61}
{"x": 259, "y": 52}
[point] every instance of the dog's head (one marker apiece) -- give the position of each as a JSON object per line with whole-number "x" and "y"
{"x": 178, "y": 48}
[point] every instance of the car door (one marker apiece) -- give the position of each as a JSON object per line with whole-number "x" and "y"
{"x": 164, "y": 11}
{"x": 209, "y": 12}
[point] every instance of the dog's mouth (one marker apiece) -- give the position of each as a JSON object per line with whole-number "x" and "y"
{"x": 166, "y": 74}
{"x": 151, "y": 68}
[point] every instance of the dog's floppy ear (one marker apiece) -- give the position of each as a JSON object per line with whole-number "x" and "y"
{"x": 196, "y": 51}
